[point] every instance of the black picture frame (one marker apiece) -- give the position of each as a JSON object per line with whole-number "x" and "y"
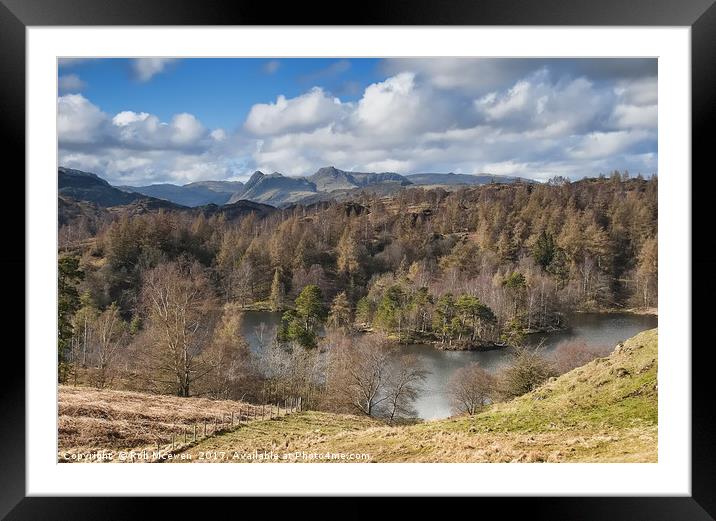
{"x": 700, "y": 15}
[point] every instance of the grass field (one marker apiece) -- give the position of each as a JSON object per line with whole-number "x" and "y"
{"x": 605, "y": 411}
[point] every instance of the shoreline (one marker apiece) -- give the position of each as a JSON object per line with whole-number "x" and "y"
{"x": 629, "y": 311}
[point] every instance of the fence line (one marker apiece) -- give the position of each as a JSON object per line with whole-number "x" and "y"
{"x": 191, "y": 434}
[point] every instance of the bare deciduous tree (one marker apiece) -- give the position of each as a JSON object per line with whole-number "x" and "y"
{"x": 365, "y": 375}
{"x": 109, "y": 335}
{"x": 177, "y": 303}
{"x": 404, "y": 383}
{"x": 228, "y": 355}
{"x": 471, "y": 388}
{"x": 570, "y": 355}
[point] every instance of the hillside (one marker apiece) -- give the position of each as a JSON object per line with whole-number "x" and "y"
{"x": 328, "y": 179}
{"x": 85, "y": 186}
{"x": 275, "y": 189}
{"x": 192, "y": 194}
{"x": 452, "y": 179}
{"x": 605, "y": 411}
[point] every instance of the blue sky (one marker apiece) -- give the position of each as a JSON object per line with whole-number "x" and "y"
{"x": 143, "y": 121}
{"x": 219, "y": 92}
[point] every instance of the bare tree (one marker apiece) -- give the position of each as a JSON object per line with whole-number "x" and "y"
{"x": 570, "y": 355}
{"x": 109, "y": 335}
{"x": 471, "y": 388}
{"x": 403, "y": 386}
{"x": 177, "y": 301}
{"x": 365, "y": 375}
{"x": 357, "y": 373}
{"x": 228, "y": 355}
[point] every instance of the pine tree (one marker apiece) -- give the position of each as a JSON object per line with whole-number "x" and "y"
{"x": 389, "y": 314}
{"x": 302, "y": 323}
{"x": 277, "y": 291}
{"x": 348, "y": 256}
{"x": 68, "y": 275}
{"x": 544, "y": 249}
{"x": 340, "y": 313}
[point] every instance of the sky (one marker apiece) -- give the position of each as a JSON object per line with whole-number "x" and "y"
{"x": 156, "y": 120}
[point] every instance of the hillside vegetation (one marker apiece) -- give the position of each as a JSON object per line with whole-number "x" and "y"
{"x": 604, "y": 411}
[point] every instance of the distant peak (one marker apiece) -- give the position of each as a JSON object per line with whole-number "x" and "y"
{"x": 327, "y": 170}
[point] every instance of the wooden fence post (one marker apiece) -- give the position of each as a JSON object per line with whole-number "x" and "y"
{"x": 232, "y": 419}
{"x": 184, "y": 435}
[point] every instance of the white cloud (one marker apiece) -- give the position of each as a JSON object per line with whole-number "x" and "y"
{"x": 606, "y": 144}
{"x": 542, "y": 109}
{"x": 81, "y": 122}
{"x": 146, "y": 68}
{"x": 514, "y": 100}
{"x": 70, "y": 83}
{"x": 507, "y": 168}
{"x": 271, "y": 66}
{"x": 78, "y": 120}
{"x": 391, "y": 105}
{"x": 641, "y": 91}
{"x": 637, "y": 104}
{"x": 218, "y": 134}
{"x": 305, "y": 112}
{"x": 127, "y": 117}
{"x": 186, "y": 129}
{"x": 634, "y": 116}
{"x": 138, "y": 146}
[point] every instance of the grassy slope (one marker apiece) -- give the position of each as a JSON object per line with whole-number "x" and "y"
{"x": 603, "y": 411}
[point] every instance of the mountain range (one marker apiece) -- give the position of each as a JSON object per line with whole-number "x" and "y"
{"x": 326, "y": 183}
{"x": 86, "y": 194}
{"x": 192, "y": 194}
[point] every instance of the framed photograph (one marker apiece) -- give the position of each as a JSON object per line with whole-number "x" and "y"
{"x": 440, "y": 251}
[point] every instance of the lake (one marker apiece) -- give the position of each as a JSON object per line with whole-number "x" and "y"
{"x": 593, "y": 329}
